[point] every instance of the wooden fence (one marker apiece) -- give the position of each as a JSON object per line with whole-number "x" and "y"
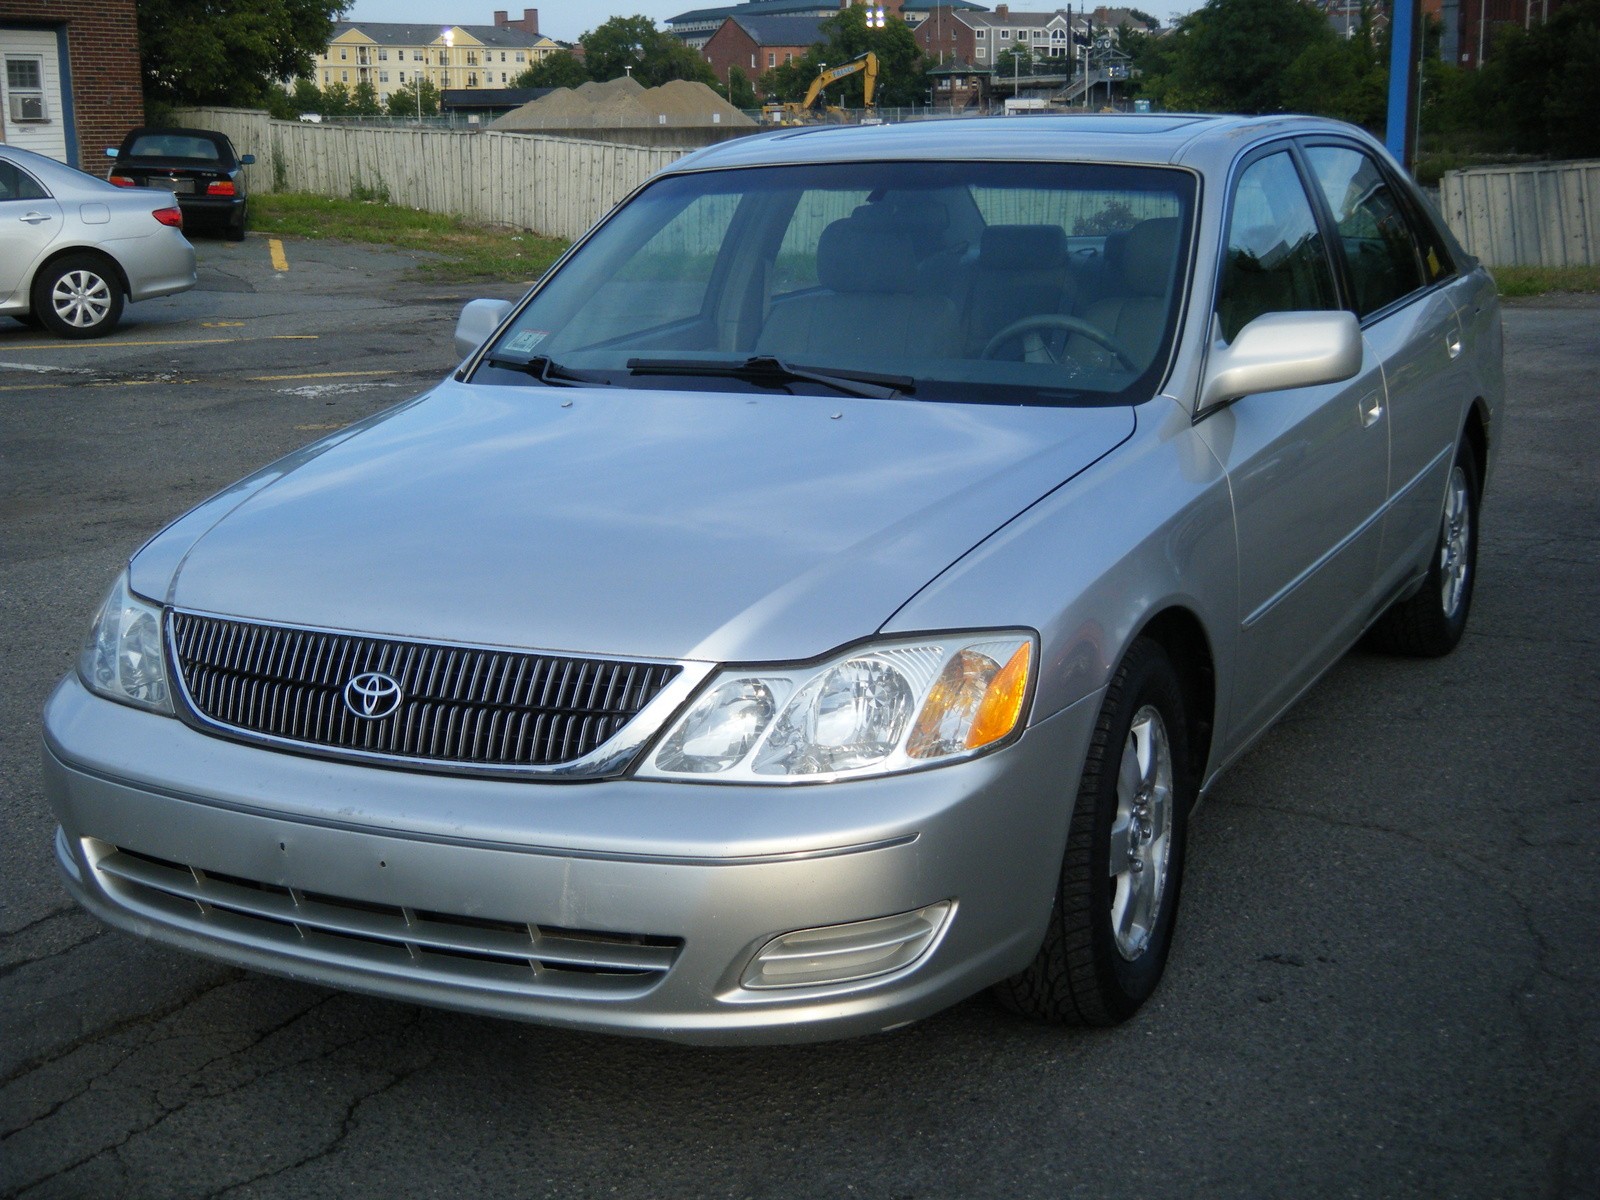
{"x": 554, "y": 186}
{"x": 1546, "y": 215}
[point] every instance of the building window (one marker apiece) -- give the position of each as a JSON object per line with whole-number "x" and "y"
{"x": 383, "y": 77}
{"x": 502, "y": 56}
{"x": 788, "y": 56}
{"x": 472, "y": 79}
{"x": 981, "y": 34}
{"x": 325, "y": 75}
{"x": 502, "y": 76}
{"x": 25, "y": 83}
{"x": 402, "y": 76}
{"x": 383, "y": 56}
{"x": 752, "y": 62}
{"x": 418, "y": 56}
{"x": 521, "y": 57}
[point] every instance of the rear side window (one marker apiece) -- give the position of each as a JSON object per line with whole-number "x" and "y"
{"x": 1275, "y": 259}
{"x": 1377, "y": 238}
{"x": 17, "y": 184}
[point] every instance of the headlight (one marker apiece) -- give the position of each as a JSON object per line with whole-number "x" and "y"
{"x": 876, "y": 709}
{"x": 122, "y": 658}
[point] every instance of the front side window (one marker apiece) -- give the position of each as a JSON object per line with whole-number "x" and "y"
{"x": 1014, "y": 283}
{"x": 1275, "y": 261}
{"x": 1379, "y": 246}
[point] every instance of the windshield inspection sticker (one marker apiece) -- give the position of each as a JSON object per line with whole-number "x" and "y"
{"x": 524, "y": 342}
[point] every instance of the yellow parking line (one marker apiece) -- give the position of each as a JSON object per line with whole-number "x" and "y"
{"x": 275, "y": 248}
{"x": 319, "y": 375}
{"x": 32, "y": 387}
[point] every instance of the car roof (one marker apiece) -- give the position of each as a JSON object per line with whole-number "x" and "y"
{"x": 1156, "y": 139}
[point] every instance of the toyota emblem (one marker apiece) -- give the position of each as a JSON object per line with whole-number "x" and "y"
{"x": 372, "y": 695}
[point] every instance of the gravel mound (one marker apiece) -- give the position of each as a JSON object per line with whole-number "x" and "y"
{"x": 625, "y": 104}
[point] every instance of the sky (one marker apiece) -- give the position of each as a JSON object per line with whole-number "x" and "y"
{"x": 566, "y": 20}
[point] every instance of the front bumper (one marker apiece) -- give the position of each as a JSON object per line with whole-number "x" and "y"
{"x": 694, "y": 878}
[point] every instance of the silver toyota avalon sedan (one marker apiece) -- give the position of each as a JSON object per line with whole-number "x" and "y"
{"x": 73, "y": 248}
{"x": 826, "y": 595}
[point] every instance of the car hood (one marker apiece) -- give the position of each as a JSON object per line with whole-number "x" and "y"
{"x": 686, "y": 525}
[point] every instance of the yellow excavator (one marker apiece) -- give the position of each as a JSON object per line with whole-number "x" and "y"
{"x": 809, "y": 110}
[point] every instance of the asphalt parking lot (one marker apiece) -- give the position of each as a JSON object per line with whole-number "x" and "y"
{"x": 1386, "y": 980}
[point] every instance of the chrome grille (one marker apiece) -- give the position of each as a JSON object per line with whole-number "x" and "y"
{"x": 461, "y": 705}
{"x": 440, "y": 946}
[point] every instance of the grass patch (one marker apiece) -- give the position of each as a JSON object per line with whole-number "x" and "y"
{"x": 1518, "y": 282}
{"x": 466, "y": 250}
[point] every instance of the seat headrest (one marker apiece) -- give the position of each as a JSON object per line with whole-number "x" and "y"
{"x": 854, "y": 255}
{"x": 1022, "y": 247}
{"x": 1147, "y": 257}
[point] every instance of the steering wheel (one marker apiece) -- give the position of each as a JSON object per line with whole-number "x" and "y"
{"x": 1058, "y": 321}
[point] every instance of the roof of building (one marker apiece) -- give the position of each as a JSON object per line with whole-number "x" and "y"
{"x": 390, "y": 33}
{"x": 818, "y": 8}
{"x": 1022, "y": 20}
{"x": 781, "y": 31}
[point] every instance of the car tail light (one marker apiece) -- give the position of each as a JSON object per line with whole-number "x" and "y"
{"x": 223, "y": 187}
{"x": 169, "y": 216}
{"x": 123, "y": 181}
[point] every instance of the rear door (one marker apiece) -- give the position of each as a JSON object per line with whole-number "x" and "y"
{"x": 1397, "y": 277}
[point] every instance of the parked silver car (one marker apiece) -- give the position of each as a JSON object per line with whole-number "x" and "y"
{"x": 825, "y": 596}
{"x": 73, "y": 248}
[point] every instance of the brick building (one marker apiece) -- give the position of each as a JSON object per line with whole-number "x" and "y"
{"x": 758, "y": 44}
{"x": 943, "y": 36}
{"x": 69, "y": 77}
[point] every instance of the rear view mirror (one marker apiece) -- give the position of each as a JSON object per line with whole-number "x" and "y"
{"x": 1283, "y": 350}
{"x": 247, "y": 159}
{"x": 478, "y": 320}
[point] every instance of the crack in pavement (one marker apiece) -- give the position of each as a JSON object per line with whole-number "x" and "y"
{"x": 169, "y": 1110}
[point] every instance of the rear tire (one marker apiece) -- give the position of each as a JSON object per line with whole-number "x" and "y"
{"x": 78, "y": 296}
{"x": 1430, "y": 623}
{"x": 1110, "y": 929}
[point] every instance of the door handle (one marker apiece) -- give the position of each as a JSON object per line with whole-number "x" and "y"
{"x": 1371, "y": 410}
{"x": 34, "y": 218}
{"x": 1452, "y": 343}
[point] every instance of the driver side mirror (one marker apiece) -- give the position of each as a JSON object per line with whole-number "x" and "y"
{"x": 479, "y": 319}
{"x": 247, "y": 159}
{"x": 1283, "y": 350}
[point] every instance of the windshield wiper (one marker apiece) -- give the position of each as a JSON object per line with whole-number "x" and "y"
{"x": 766, "y": 368}
{"x": 548, "y": 371}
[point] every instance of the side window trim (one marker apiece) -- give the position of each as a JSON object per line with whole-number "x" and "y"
{"x": 1308, "y": 185}
{"x": 1415, "y": 220}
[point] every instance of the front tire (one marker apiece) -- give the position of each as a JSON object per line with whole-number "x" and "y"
{"x": 78, "y": 296}
{"x": 1110, "y": 929}
{"x": 1430, "y": 623}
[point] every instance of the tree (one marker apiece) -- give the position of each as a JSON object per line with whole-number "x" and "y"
{"x": 1549, "y": 82}
{"x": 403, "y": 100}
{"x": 1234, "y": 55}
{"x": 558, "y": 69}
{"x": 228, "y": 51}
{"x": 336, "y": 100}
{"x": 364, "y": 101}
{"x": 655, "y": 57}
{"x": 1015, "y": 60}
{"x": 739, "y": 92}
{"x": 306, "y": 97}
{"x": 902, "y": 71}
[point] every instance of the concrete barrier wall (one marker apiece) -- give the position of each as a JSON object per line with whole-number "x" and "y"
{"x": 1545, "y": 215}
{"x": 554, "y": 186}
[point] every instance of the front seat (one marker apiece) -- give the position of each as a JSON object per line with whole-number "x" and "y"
{"x": 1135, "y": 315}
{"x": 872, "y": 303}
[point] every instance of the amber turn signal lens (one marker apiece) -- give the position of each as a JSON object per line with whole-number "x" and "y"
{"x": 1001, "y": 707}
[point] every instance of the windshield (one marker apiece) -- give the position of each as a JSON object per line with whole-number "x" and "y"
{"x": 1012, "y": 283}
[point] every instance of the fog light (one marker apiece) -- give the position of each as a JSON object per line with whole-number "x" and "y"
{"x": 844, "y": 953}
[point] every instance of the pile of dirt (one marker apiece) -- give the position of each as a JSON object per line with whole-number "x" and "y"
{"x": 625, "y": 104}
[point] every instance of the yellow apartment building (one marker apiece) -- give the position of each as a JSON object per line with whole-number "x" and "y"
{"x": 388, "y": 55}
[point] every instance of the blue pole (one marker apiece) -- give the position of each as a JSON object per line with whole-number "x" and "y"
{"x": 1404, "y": 46}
